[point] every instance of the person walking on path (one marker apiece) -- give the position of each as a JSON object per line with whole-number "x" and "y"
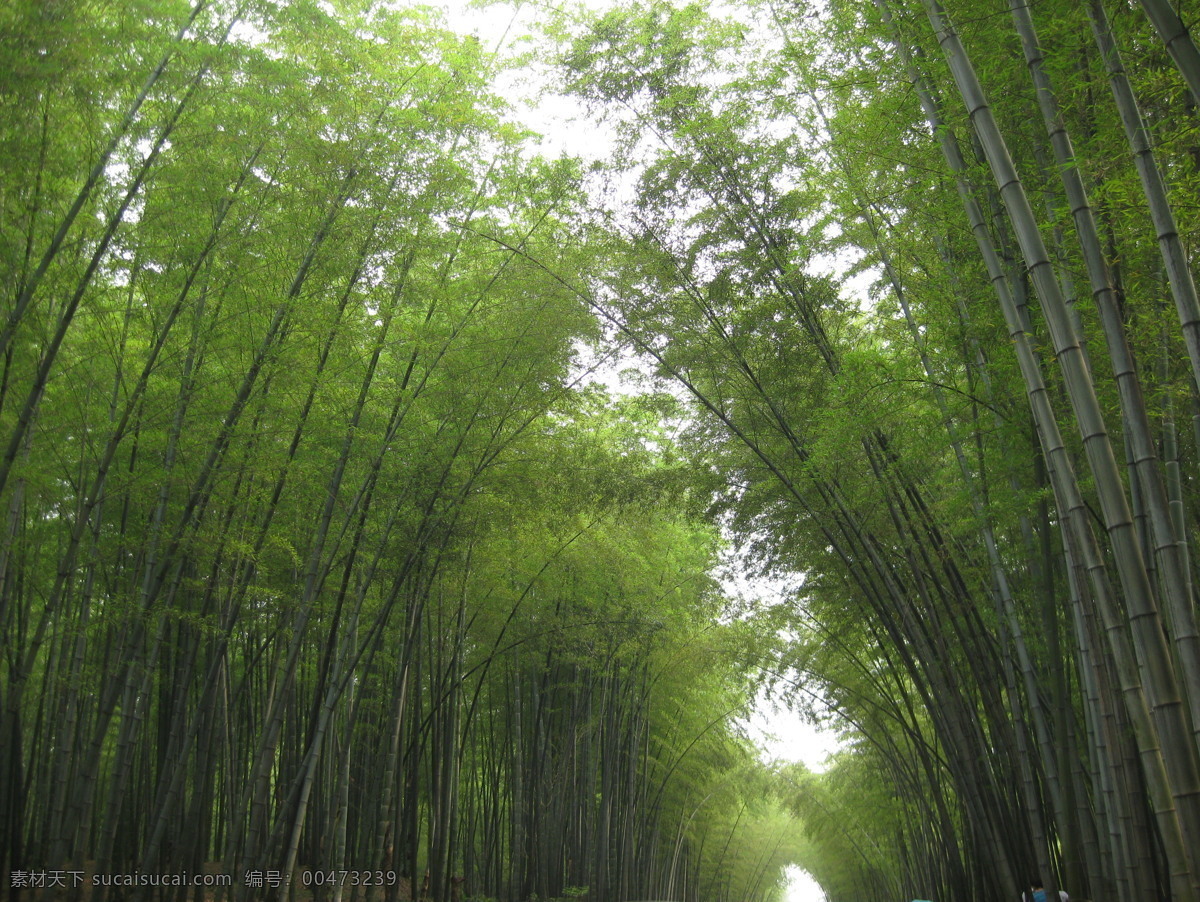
{"x": 1037, "y": 894}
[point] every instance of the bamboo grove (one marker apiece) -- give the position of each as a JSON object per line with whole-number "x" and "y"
{"x": 322, "y": 551}
{"x": 319, "y": 558}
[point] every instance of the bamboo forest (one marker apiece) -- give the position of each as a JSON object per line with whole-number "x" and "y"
{"x": 436, "y": 439}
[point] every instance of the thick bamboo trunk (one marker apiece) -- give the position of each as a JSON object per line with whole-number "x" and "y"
{"x": 1154, "y": 657}
{"x": 1178, "y": 40}
{"x": 1078, "y": 531}
{"x": 1169, "y": 554}
{"x": 1162, "y": 218}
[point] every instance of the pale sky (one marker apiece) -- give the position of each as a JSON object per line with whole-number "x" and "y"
{"x": 784, "y": 736}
